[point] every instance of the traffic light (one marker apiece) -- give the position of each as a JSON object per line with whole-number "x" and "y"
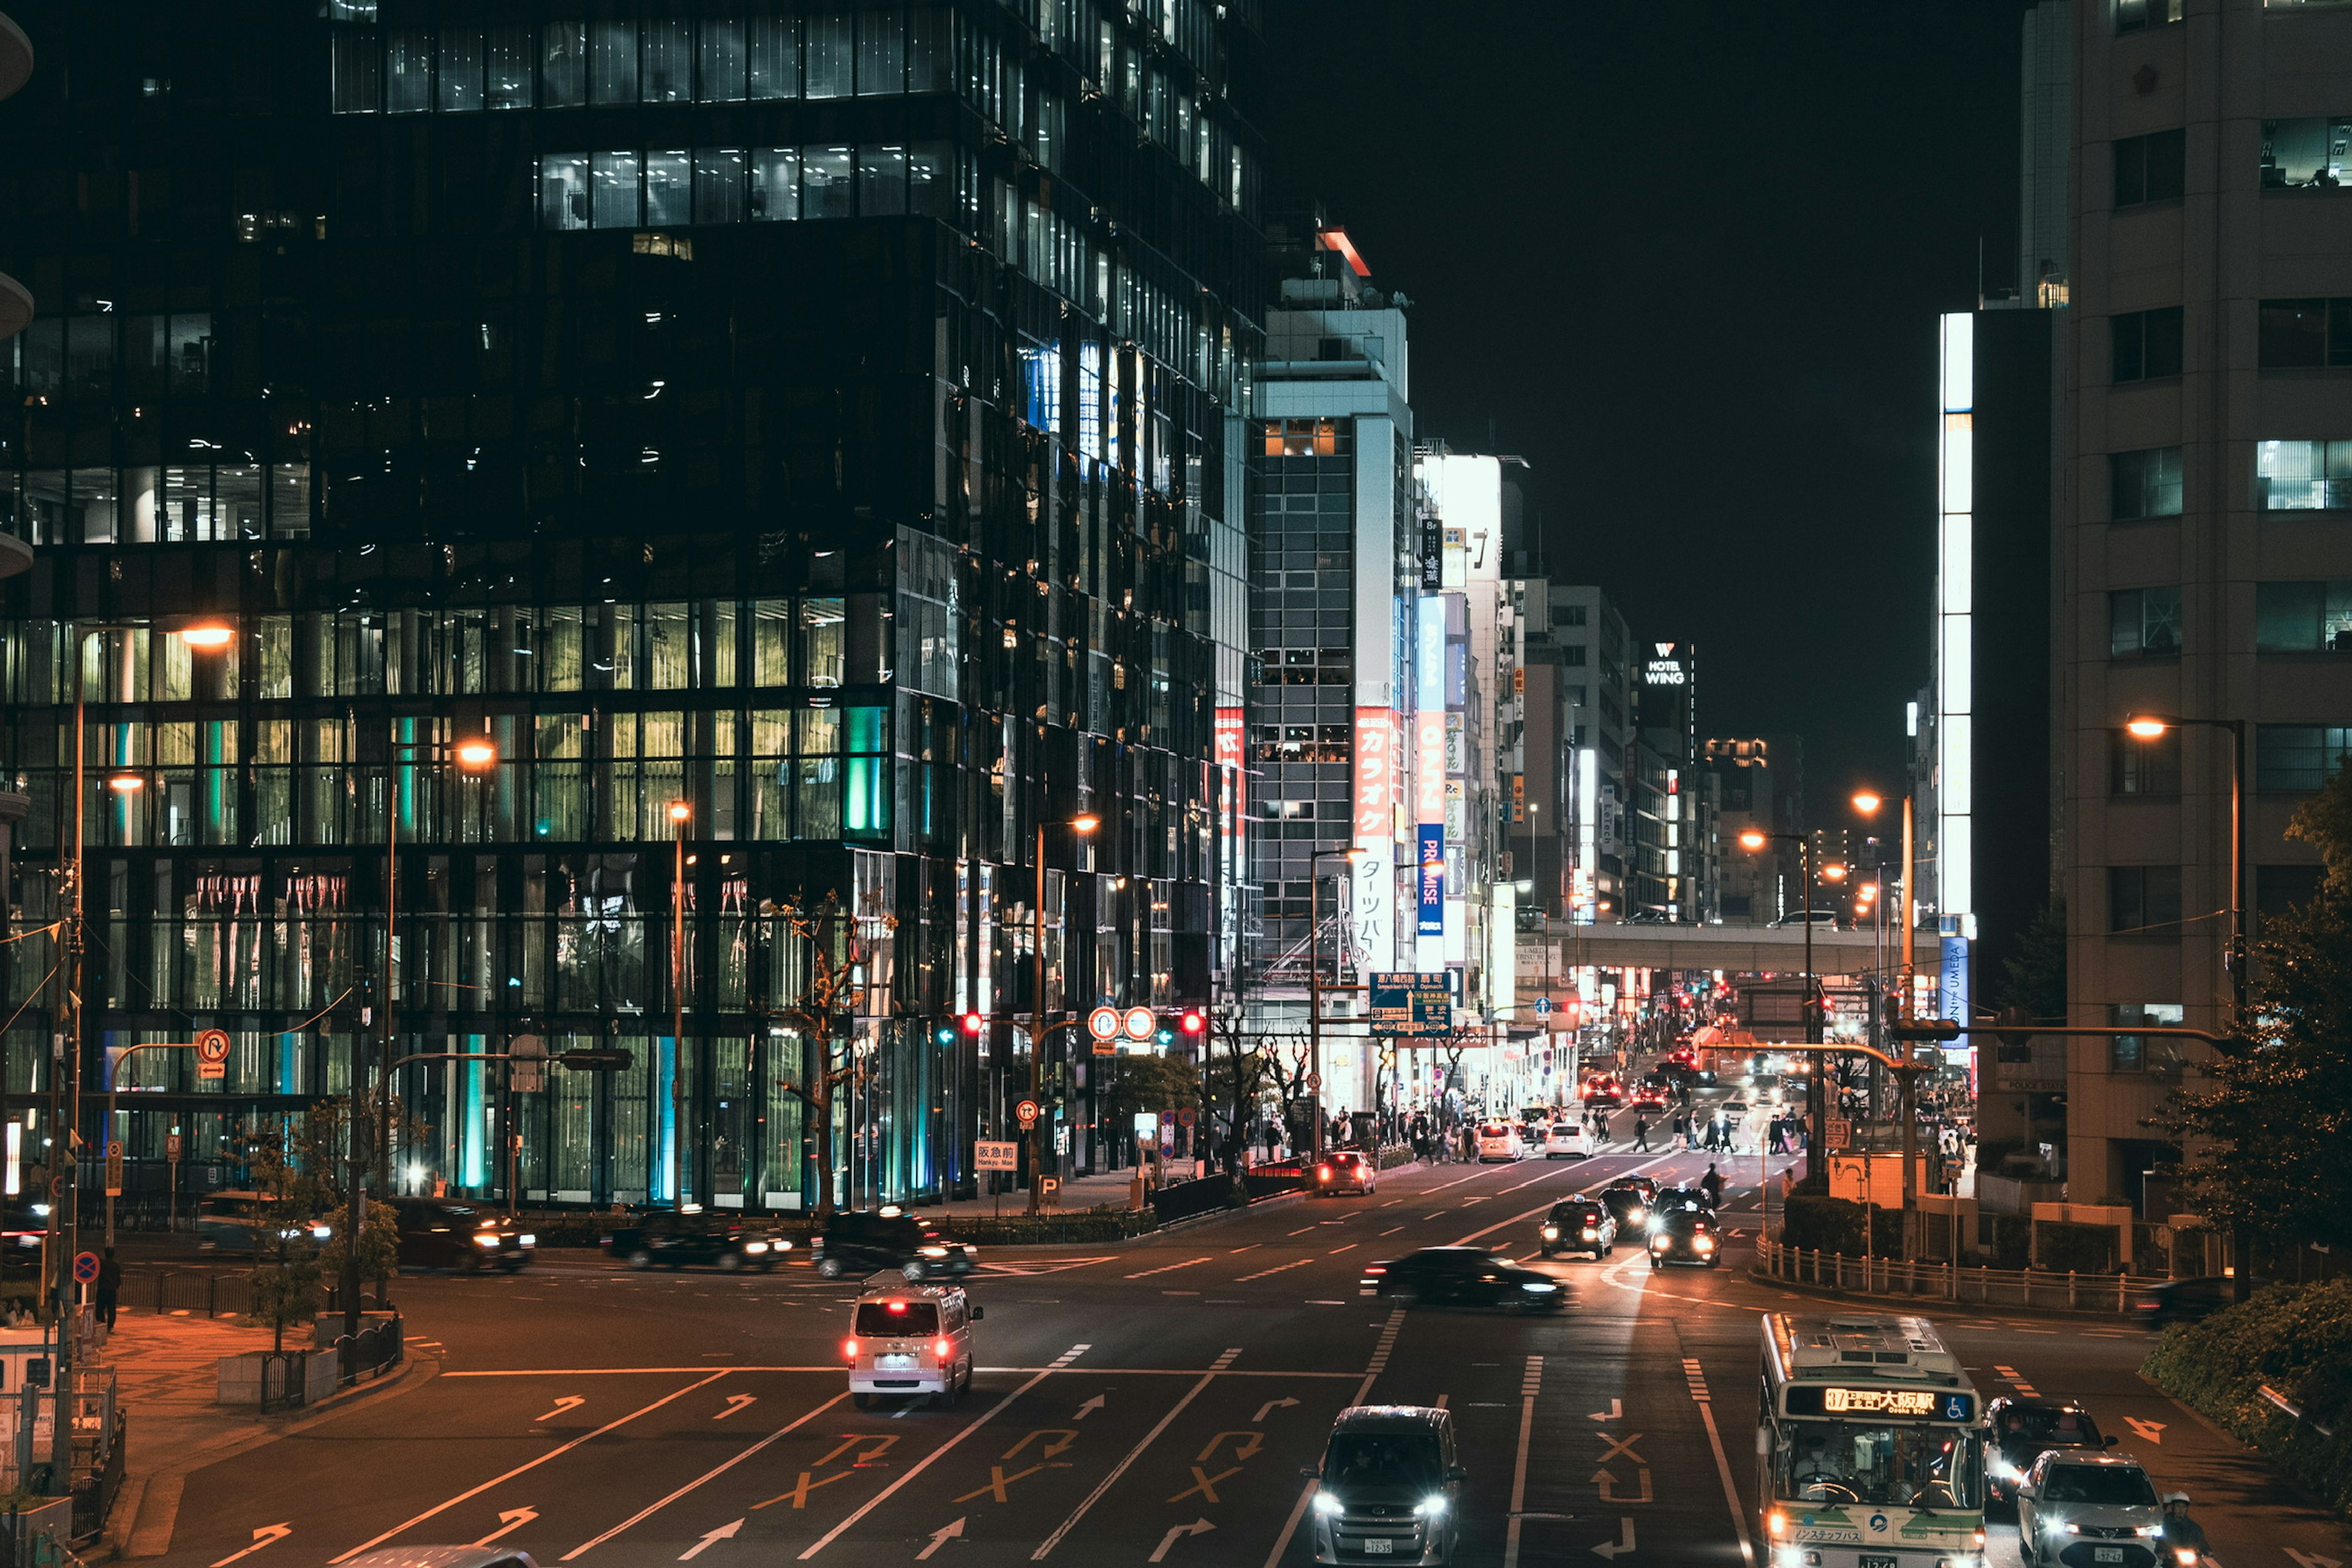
{"x": 597, "y": 1061}
{"x": 1193, "y": 1022}
{"x": 1926, "y": 1029}
{"x": 972, "y": 1025}
{"x": 2016, "y": 1027}
{"x": 944, "y": 1035}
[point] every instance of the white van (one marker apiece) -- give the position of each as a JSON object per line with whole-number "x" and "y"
{"x": 911, "y": 1340}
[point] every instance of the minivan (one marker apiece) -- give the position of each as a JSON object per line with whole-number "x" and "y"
{"x": 912, "y": 1340}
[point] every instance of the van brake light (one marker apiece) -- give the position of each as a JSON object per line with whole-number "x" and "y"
{"x": 849, "y": 1349}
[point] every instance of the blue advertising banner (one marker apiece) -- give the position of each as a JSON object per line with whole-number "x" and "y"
{"x": 1432, "y": 878}
{"x": 1952, "y": 983}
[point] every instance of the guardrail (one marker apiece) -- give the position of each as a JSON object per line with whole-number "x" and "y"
{"x": 1921, "y": 1279}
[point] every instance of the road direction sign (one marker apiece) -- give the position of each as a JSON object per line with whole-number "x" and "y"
{"x": 1543, "y": 1006}
{"x": 1413, "y": 1006}
{"x": 1140, "y": 1024}
{"x": 1026, "y": 1113}
{"x": 1840, "y": 1133}
{"x": 86, "y": 1267}
{"x": 991, "y": 1154}
{"x": 212, "y": 1054}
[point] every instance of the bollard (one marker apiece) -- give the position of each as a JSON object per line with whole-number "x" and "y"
{"x": 2070, "y": 1289}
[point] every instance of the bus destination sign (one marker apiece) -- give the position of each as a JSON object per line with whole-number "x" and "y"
{"x": 1901, "y": 1403}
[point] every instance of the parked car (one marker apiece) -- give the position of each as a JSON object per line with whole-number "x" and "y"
{"x": 2019, "y": 1431}
{"x": 2087, "y": 1511}
{"x": 1579, "y": 1224}
{"x": 1344, "y": 1171}
{"x": 1567, "y": 1140}
{"x": 2188, "y": 1300}
{"x": 442, "y": 1233}
{"x": 859, "y": 1242}
{"x": 1465, "y": 1276}
{"x": 1388, "y": 1487}
{"x": 1499, "y": 1141}
{"x": 673, "y": 1239}
{"x": 911, "y": 1340}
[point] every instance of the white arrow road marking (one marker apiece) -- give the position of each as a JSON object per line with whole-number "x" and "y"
{"x": 940, "y": 1538}
{"x": 1090, "y": 1407}
{"x": 735, "y": 1404}
{"x": 2147, "y": 1430}
{"x": 1045, "y": 1547}
{"x": 529, "y": 1465}
{"x": 568, "y": 1402}
{"x": 2311, "y": 1560}
{"x": 261, "y": 1538}
{"x": 652, "y": 1509}
{"x": 509, "y": 1520}
{"x": 1616, "y": 1412}
{"x": 1269, "y": 1407}
{"x": 724, "y": 1532}
{"x": 1178, "y": 1532}
{"x": 1624, "y": 1541}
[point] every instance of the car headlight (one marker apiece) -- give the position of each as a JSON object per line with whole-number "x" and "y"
{"x": 486, "y": 1241}
{"x": 1540, "y": 1287}
{"x": 1430, "y": 1507}
{"x": 1328, "y": 1504}
{"x": 2185, "y": 1555}
{"x": 1703, "y": 1243}
{"x": 1659, "y": 1243}
{"x": 755, "y": 1246}
{"x": 322, "y": 1232}
{"x": 527, "y": 1240}
{"x": 932, "y": 1251}
{"x": 1551, "y": 1233}
{"x": 2067, "y": 1526}
{"x": 2147, "y": 1530}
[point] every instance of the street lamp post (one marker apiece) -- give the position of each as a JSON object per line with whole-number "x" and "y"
{"x": 1314, "y": 981}
{"x": 681, "y": 814}
{"x": 1816, "y": 1094}
{"x": 1081, "y": 825}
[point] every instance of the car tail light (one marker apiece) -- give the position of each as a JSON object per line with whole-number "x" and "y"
{"x": 849, "y": 1349}
{"x": 942, "y": 1349}
{"x": 1322, "y": 1173}
{"x": 1375, "y": 1268}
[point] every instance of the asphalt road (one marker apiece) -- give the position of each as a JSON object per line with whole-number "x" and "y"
{"x": 1144, "y": 1403}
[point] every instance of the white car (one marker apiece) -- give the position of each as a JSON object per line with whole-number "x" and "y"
{"x": 2069, "y": 1498}
{"x": 1567, "y": 1140}
{"x": 1499, "y": 1141}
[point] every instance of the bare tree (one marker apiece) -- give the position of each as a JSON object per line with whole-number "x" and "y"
{"x": 1241, "y": 1070}
{"x": 822, "y": 1014}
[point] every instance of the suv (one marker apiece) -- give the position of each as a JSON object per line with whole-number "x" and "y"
{"x": 2018, "y": 1431}
{"x": 1389, "y": 1486}
{"x": 1580, "y": 1225}
{"x": 2088, "y": 1510}
{"x": 1344, "y": 1171}
{"x": 866, "y": 1241}
{"x": 911, "y": 1340}
{"x": 439, "y": 1233}
{"x": 675, "y": 1238}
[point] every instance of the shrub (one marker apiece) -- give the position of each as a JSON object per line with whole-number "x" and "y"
{"x": 1835, "y": 1225}
{"x": 2297, "y": 1340}
{"x": 2068, "y": 1249}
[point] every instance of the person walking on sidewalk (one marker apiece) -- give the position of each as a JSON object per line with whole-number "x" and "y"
{"x": 110, "y": 1286}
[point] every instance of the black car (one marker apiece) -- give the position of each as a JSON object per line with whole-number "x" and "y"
{"x": 1686, "y": 1235}
{"x": 1465, "y": 1276}
{"x": 673, "y": 1239}
{"x": 2016, "y": 1431}
{"x": 2188, "y": 1300}
{"x": 1580, "y": 1225}
{"x": 439, "y": 1233}
{"x": 1668, "y": 1199}
{"x": 859, "y": 1242}
{"x": 1629, "y": 1203}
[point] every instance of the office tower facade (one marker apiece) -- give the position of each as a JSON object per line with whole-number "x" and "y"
{"x": 2203, "y": 565}
{"x": 1759, "y": 785}
{"x": 815, "y": 420}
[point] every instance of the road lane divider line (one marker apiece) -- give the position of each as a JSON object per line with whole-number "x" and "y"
{"x": 1723, "y": 1469}
{"x": 993, "y": 1411}
{"x": 1171, "y": 1268}
{"x": 531, "y": 1465}
{"x": 1531, "y": 1386}
{"x": 1372, "y": 1369}
{"x": 1046, "y": 1546}
{"x": 650, "y": 1510}
{"x": 623, "y": 1371}
{"x": 1278, "y": 1269}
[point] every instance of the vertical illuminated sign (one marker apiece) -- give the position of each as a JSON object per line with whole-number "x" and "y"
{"x": 1955, "y": 650}
{"x": 1373, "y": 899}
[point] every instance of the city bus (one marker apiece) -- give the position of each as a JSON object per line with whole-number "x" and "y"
{"x": 1869, "y": 1448}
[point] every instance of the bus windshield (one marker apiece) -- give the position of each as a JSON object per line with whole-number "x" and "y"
{"x": 1908, "y": 1467}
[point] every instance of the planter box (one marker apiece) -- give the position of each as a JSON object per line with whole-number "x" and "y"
{"x": 239, "y": 1377}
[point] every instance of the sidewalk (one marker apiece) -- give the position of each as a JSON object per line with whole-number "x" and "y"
{"x": 166, "y": 1377}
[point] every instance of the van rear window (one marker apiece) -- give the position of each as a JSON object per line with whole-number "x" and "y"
{"x": 897, "y": 1319}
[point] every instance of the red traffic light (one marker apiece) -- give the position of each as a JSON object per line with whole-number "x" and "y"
{"x": 973, "y": 1023}
{"x": 1193, "y": 1021}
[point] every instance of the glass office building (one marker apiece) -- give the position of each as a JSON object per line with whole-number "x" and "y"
{"x": 816, "y": 421}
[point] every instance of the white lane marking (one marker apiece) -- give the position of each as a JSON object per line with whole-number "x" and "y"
{"x": 529, "y": 1465}
{"x": 651, "y": 1509}
{"x": 568, "y": 1402}
{"x": 1278, "y": 1269}
{"x": 1722, "y": 1468}
{"x": 509, "y": 1520}
{"x": 1390, "y": 1232}
{"x": 625, "y": 1371}
{"x": 735, "y": 1405}
{"x": 1046, "y": 1546}
{"x": 1336, "y": 1250}
{"x": 268, "y": 1535}
{"x": 1531, "y": 1386}
{"x": 724, "y": 1532}
{"x": 1177, "y": 1533}
{"x": 1167, "y": 1267}
{"x": 993, "y": 1411}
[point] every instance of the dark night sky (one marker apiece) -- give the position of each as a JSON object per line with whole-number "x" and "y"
{"x": 1687, "y": 255}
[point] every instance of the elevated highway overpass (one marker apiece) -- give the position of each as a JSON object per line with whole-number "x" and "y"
{"x": 1735, "y": 949}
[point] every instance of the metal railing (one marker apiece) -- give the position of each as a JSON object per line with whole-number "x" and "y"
{"x": 1925, "y": 1279}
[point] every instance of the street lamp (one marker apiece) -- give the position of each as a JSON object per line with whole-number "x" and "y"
{"x": 1816, "y": 1103}
{"x": 2152, "y": 727}
{"x": 1867, "y": 803}
{"x": 1084, "y": 825}
{"x": 1315, "y": 981}
{"x": 680, "y": 813}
